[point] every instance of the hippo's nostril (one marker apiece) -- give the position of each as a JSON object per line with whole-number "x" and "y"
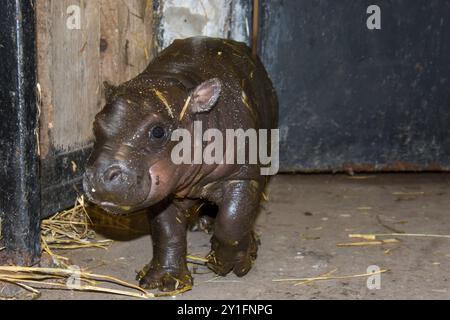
{"x": 113, "y": 174}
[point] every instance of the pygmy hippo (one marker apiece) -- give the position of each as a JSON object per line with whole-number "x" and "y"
{"x": 218, "y": 83}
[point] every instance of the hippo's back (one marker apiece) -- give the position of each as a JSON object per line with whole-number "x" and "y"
{"x": 247, "y": 87}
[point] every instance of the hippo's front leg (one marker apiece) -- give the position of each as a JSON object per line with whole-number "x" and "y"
{"x": 234, "y": 245}
{"x": 168, "y": 269}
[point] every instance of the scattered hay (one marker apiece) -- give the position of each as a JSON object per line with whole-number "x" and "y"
{"x": 66, "y": 279}
{"x": 68, "y": 230}
{"x": 374, "y": 236}
{"x": 217, "y": 279}
{"x": 264, "y": 196}
{"x": 328, "y": 276}
{"x": 197, "y": 259}
{"x": 307, "y": 282}
{"x": 363, "y": 236}
{"x": 368, "y": 243}
{"x": 163, "y": 99}
{"x": 71, "y": 229}
{"x": 247, "y": 104}
{"x": 364, "y": 208}
{"x": 185, "y": 107}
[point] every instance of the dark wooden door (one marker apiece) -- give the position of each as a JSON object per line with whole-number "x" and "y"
{"x": 358, "y": 99}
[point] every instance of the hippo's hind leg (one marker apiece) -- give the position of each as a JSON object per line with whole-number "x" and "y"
{"x": 234, "y": 246}
{"x": 168, "y": 269}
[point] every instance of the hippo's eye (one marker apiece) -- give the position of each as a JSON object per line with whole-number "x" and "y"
{"x": 158, "y": 132}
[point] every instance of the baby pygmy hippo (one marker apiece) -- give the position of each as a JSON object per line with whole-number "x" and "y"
{"x": 197, "y": 82}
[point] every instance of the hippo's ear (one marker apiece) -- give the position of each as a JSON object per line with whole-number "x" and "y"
{"x": 205, "y": 96}
{"x": 109, "y": 90}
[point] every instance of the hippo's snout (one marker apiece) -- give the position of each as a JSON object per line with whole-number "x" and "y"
{"x": 115, "y": 186}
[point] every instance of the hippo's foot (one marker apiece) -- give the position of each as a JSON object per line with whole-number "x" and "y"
{"x": 164, "y": 279}
{"x": 203, "y": 223}
{"x": 236, "y": 257}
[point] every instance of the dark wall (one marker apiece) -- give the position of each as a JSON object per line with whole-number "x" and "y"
{"x": 357, "y": 98}
{"x": 19, "y": 176}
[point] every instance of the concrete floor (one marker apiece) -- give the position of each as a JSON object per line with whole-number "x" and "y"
{"x": 300, "y": 227}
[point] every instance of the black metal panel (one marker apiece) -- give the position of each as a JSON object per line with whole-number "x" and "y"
{"x": 61, "y": 179}
{"x": 19, "y": 179}
{"x": 357, "y": 98}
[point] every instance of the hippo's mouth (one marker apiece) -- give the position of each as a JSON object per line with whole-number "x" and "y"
{"x": 115, "y": 208}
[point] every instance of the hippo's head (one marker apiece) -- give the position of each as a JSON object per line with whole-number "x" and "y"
{"x": 130, "y": 167}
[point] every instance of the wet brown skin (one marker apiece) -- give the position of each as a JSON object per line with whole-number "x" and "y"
{"x": 131, "y": 169}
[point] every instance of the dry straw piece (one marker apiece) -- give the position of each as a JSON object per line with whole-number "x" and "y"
{"x": 328, "y": 276}
{"x": 197, "y": 259}
{"x": 68, "y": 230}
{"x": 374, "y": 236}
{"x": 67, "y": 279}
{"x": 368, "y": 243}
